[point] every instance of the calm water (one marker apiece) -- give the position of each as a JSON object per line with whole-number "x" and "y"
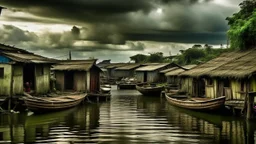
{"x": 127, "y": 118}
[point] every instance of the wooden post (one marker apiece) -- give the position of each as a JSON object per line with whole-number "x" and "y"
{"x": 11, "y": 91}
{"x": 250, "y": 103}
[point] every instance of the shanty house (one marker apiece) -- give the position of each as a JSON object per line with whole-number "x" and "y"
{"x": 77, "y": 75}
{"x": 173, "y": 78}
{"x": 126, "y": 70}
{"x": 18, "y": 67}
{"x": 150, "y": 73}
{"x": 231, "y": 74}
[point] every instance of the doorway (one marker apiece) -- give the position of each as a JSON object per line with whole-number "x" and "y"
{"x": 145, "y": 77}
{"x": 29, "y": 75}
{"x": 69, "y": 80}
{"x": 198, "y": 87}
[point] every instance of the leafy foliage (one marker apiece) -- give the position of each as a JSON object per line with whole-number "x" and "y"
{"x": 194, "y": 55}
{"x": 242, "y": 32}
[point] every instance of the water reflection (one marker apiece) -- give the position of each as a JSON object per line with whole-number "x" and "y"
{"x": 127, "y": 118}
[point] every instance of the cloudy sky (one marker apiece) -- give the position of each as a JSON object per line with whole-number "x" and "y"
{"x": 113, "y": 29}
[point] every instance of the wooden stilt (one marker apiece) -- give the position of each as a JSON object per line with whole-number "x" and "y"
{"x": 250, "y": 104}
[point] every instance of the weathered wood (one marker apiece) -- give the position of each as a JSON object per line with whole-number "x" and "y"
{"x": 45, "y": 104}
{"x": 204, "y": 105}
{"x": 150, "y": 91}
{"x": 250, "y": 104}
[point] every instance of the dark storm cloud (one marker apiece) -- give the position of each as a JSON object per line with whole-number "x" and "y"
{"x": 116, "y": 21}
{"x": 66, "y": 40}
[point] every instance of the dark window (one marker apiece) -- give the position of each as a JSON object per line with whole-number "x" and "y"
{"x": 1, "y": 72}
{"x": 210, "y": 82}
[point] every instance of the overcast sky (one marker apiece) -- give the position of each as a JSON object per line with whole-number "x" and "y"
{"x": 113, "y": 29}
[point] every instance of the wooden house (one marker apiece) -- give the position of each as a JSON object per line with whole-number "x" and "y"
{"x": 126, "y": 70}
{"x": 111, "y": 69}
{"x": 232, "y": 74}
{"x": 18, "y": 66}
{"x": 172, "y": 76}
{"x": 151, "y": 72}
{"x": 77, "y": 75}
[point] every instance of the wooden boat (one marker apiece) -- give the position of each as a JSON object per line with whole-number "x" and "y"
{"x": 203, "y": 104}
{"x": 149, "y": 90}
{"x": 99, "y": 96}
{"x": 126, "y": 86}
{"x": 48, "y": 104}
{"x": 105, "y": 89}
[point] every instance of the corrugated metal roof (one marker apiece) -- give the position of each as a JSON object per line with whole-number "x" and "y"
{"x": 153, "y": 67}
{"x": 78, "y": 65}
{"x": 27, "y": 57}
{"x": 169, "y": 69}
{"x": 115, "y": 65}
{"x": 128, "y": 67}
{"x": 68, "y": 67}
{"x": 175, "y": 72}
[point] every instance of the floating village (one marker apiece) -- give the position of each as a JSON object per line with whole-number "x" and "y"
{"x": 40, "y": 84}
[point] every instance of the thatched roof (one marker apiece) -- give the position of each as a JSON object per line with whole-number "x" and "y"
{"x": 19, "y": 55}
{"x": 128, "y": 66}
{"x": 153, "y": 67}
{"x": 231, "y": 64}
{"x": 75, "y": 65}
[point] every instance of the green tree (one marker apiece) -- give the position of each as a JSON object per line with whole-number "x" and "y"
{"x": 242, "y": 32}
{"x": 139, "y": 58}
{"x": 156, "y": 57}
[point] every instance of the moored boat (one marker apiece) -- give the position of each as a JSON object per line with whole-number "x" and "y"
{"x": 202, "y": 104}
{"x": 149, "y": 90}
{"x": 48, "y": 104}
{"x": 126, "y": 86}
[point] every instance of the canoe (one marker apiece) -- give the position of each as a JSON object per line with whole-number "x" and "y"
{"x": 48, "y": 104}
{"x": 149, "y": 90}
{"x": 202, "y": 104}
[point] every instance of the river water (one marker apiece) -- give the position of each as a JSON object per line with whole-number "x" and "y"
{"x": 127, "y": 118}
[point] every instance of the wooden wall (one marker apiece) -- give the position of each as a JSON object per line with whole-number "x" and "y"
{"x": 186, "y": 84}
{"x": 18, "y": 80}
{"x": 124, "y": 73}
{"x": 5, "y": 83}
{"x": 59, "y": 75}
{"x": 94, "y": 80}
{"x": 139, "y": 76}
{"x": 80, "y": 81}
{"x": 42, "y": 80}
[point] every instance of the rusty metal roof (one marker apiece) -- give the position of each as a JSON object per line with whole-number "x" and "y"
{"x": 153, "y": 67}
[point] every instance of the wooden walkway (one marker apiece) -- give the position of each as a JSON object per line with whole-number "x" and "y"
{"x": 237, "y": 104}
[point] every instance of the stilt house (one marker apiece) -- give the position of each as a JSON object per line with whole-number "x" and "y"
{"x": 151, "y": 73}
{"x": 126, "y": 70}
{"x": 77, "y": 75}
{"x": 18, "y": 66}
{"x": 232, "y": 74}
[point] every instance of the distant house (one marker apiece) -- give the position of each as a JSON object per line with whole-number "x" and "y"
{"x": 111, "y": 69}
{"x": 151, "y": 72}
{"x": 18, "y": 67}
{"x": 126, "y": 70}
{"x": 232, "y": 74}
{"x": 173, "y": 78}
{"x": 77, "y": 75}
{"x": 103, "y": 63}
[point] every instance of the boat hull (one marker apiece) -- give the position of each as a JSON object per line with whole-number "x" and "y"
{"x": 207, "y": 105}
{"x": 126, "y": 86}
{"x": 150, "y": 91}
{"x": 40, "y": 105}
